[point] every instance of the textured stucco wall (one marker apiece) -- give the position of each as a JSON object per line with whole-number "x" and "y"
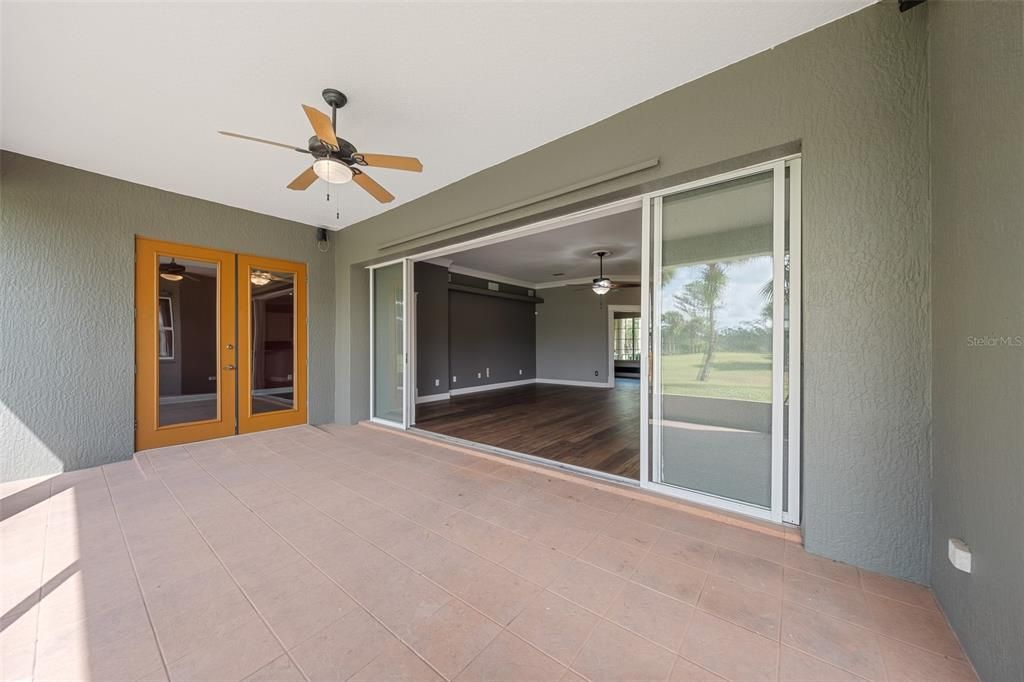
{"x": 852, "y": 94}
{"x": 976, "y": 56}
{"x": 66, "y": 299}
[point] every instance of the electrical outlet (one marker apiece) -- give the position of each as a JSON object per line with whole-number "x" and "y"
{"x": 437, "y": 382}
{"x": 454, "y": 379}
{"x": 597, "y": 373}
{"x": 520, "y": 372}
{"x": 478, "y": 375}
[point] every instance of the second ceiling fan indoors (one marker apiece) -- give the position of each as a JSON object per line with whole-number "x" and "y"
{"x": 601, "y": 285}
{"x": 337, "y": 160}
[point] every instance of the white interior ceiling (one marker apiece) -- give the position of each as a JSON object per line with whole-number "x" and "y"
{"x": 564, "y": 254}
{"x": 138, "y": 90}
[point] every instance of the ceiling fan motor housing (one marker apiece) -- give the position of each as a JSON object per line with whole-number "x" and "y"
{"x": 345, "y": 154}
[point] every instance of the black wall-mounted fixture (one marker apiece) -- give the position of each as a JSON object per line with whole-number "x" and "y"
{"x": 323, "y": 244}
{"x": 909, "y": 4}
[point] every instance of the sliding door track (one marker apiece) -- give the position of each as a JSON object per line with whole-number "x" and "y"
{"x": 523, "y": 457}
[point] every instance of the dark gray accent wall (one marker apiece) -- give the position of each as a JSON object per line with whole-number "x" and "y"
{"x": 572, "y": 332}
{"x": 852, "y": 97}
{"x": 489, "y": 333}
{"x": 431, "y": 284}
{"x": 67, "y": 244}
{"x": 976, "y": 56}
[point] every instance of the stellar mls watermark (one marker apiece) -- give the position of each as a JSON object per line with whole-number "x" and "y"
{"x": 992, "y": 341}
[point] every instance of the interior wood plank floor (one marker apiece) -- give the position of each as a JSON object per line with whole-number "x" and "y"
{"x": 596, "y": 428}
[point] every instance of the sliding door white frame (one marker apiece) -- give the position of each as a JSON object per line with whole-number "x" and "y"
{"x": 651, "y": 403}
{"x": 787, "y": 510}
{"x": 407, "y": 410}
{"x": 645, "y": 347}
{"x": 792, "y": 510}
{"x": 409, "y": 344}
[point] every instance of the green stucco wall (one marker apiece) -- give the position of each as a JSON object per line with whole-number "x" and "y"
{"x": 851, "y": 96}
{"x": 67, "y": 245}
{"x": 976, "y": 55}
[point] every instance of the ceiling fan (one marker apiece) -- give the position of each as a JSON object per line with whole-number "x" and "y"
{"x": 601, "y": 284}
{"x": 262, "y": 278}
{"x": 175, "y": 272}
{"x": 337, "y": 160}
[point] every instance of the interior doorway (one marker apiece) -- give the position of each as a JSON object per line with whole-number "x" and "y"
{"x": 220, "y": 343}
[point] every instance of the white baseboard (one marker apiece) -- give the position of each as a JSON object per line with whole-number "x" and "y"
{"x": 433, "y": 398}
{"x": 570, "y": 382}
{"x": 490, "y": 387}
{"x": 511, "y": 384}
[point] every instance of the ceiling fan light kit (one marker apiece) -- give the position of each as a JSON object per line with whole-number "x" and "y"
{"x": 332, "y": 171}
{"x": 336, "y": 160}
{"x": 602, "y": 285}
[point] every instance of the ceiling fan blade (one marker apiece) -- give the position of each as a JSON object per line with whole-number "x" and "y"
{"x": 373, "y": 188}
{"x": 304, "y": 180}
{"x": 406, "y": 163}
{"x": 321, "y": 123}
{"x": 624, "y": 285}
{"x": 256, "y": 139}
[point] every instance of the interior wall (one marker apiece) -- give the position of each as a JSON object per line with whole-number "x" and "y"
{"x": 432, "y": 375}
{"x": 66, "y": 305}
{"x": 976, "y": 55}
{"x": 198, "y": 335}
{"x": 572, "y": 332}
{"x": 491, "y": 340}
{"x": 852, "y": 97}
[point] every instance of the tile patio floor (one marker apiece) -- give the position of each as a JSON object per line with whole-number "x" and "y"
{"x": 365, "y": 555}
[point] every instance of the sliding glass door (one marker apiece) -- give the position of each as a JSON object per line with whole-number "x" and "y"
{"x": 718, "y": 301}
{"x": 389, "y": 338}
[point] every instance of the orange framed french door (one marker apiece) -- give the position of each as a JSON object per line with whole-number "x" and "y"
{"x": 184, "y": 343}
{"x": 271, "y": 343}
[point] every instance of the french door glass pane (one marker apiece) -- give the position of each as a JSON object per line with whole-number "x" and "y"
{"x": 388, "y": 351}
{"x": 714, "y": 289}
{"x": 273, "y": 340}
{"x": 187, "y": 340}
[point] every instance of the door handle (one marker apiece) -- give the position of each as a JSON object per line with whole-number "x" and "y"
{"x": 229, "y": 367}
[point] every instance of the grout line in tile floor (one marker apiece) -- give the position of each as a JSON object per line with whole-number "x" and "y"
{"x": 315, "y": 565}
{"x": 230, "y": 574}
{"x": 503, "y": 628}
{"x": 286, "y": 449}
{"x": 135, "y": 572}
{"x": 600, "y": 615}
{"x": 780, "y": 597}
{"x": 42, "y": 573}
{"x": 630, "y": 492}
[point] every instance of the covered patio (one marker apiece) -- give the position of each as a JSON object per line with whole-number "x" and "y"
{"x": 353, "y": 552}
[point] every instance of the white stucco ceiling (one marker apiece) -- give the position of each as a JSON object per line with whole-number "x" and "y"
{"x": 137, "y": 90}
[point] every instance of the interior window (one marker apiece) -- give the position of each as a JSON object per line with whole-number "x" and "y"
{"x": 166, "y": 329}
{"x": 627, "y": 333}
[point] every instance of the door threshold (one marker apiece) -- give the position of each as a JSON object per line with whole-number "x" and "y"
{"x": 524, "y": 457}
